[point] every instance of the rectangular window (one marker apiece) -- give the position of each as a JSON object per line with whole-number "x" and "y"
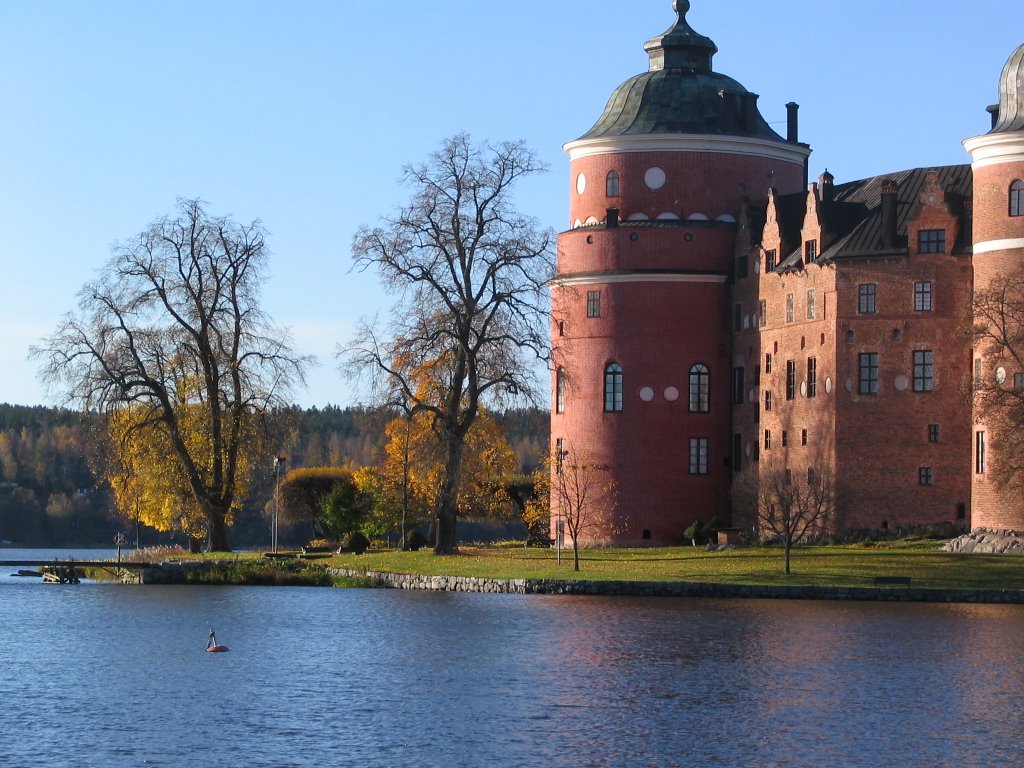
{"x": 559, "y": 454}
{"x": 923, "y": 370}
{"x": 868, "y": 373}
{"x": 803, "y": 437}
{"x": 769, "y": 260}
{"x": 810, "y": 251}
{"x": 979, "y": 453}
{"x": 737, "y": 452}
{"x": 812, "y": 376}
{"x": 698, "y": 455}
{"x": 977, "y": 372}
{"x": 737, "y": 317}
{"x": 791, "y": 379}
{"x": 933, "y": 433}
{"x": 812, "y": 477}
{"x": 1018, "y": 381}
{"x": 789, "y": 307}
{"x": 785, "y": 438}
{"x": 767, "y": 400}
{"x": 931, "y": 241}
{"x": 737, "y": 385}
{"x": 767, "y": 362}
{"x": 762, "y": 313}
{"x": 866, "y": 298}
{"x": 593, "y": 303}
{"x": 923, "y": 296}
{"x": 767, "y": 439}
{"x": 924, "y": 475}
{"x": 810, "y": 305}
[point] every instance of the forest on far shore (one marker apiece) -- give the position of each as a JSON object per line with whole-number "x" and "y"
{"x": 52, "y": 494}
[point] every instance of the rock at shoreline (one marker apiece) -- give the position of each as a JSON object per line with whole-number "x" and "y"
{"x": 987, "y": 543}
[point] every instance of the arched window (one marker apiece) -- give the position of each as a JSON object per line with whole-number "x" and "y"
{"x": 613, "y": 388}
{"x": 1017, "y": 198}
{"x": 612, "y": 184}
{"x": 700, "y": 387}
{"x": 560, "y": 391}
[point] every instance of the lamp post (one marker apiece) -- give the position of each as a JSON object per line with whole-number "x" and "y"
{"x": 279, "y": 465}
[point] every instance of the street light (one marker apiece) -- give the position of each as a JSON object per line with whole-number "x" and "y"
{"x": 279, "y": 465}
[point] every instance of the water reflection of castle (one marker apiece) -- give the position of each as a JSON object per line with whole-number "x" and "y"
{"x": 710, "y": 325}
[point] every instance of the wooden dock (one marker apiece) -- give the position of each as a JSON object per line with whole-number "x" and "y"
{"x": 70, "y": 571}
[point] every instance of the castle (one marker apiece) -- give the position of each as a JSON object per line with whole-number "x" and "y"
{"x": 718, "y": 321}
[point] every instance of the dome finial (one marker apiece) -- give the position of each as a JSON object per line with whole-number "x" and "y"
{"x": 681, "y": 6}
{"x": 679, "y": 46}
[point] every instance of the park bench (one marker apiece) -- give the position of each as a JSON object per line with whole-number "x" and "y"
{"x": 903, "y": 581}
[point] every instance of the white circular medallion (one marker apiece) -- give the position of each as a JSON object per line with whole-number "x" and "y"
{"x": 671, "y": 394}
{"x": 828, "y": 386}
{"x": 901, "y": 382}
{"x": 1000, "y": 375}
{"x": 581, "y": 184}
{"x": 647, "y": 394}
{"x": 803, "y": 389}
{"x": 746, "y": 450}
{"x": 849, "y": 384}
{"x": 654, "y": 178}
{"x": 752, "y": 396}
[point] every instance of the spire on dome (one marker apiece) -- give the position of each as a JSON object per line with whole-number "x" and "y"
{"x": 679, "y": 46}
{"x": 1011, "y": 95}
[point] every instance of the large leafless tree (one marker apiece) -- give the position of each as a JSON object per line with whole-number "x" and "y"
{"x": 172, "y": 329}
{"x": 470, "y": 273}
{"x": 794, "y": 504}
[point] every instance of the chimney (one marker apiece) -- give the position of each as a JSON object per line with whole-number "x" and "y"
{"x": 792, "y": 130}
{"x": 612, "y": 219}
{"x": 826, "y": 183}
{"x": 727, "y": 111}
{"x": 889, "y": 191}
{"x": 749, "y": 113}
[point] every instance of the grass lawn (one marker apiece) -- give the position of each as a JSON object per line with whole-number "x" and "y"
{"x": 850, "y": 565}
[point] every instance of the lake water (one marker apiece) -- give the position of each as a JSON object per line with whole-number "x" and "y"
{"x": 104, "y": 674}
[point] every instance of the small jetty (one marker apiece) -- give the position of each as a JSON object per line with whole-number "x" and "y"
{"x": 69, "y": 571}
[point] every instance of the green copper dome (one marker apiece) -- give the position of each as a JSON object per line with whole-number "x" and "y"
{"x": 680, "y": 93}
{"x": 1011, "y": 95}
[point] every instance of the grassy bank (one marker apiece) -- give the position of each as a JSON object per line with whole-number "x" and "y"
{"x": 841, "y": 566}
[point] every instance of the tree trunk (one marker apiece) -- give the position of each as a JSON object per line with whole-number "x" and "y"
{"x": 218, "y": 531}
{"x": 575, "y": 554}
{"x": 788, "y": 547}
{"x": 445, "y": 511}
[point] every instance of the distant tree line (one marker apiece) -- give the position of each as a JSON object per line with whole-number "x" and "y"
{"x": 52, "y": 491}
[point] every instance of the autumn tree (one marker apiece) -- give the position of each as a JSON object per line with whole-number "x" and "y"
{"x": 173, "y": 331}
{"x": 470, "y": 273}
{"x": 794, "y": 504}
{"x": 998, "y": 393}
{"x": 582, "y": 493}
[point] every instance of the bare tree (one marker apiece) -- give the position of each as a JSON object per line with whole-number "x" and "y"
{"x": 172, "y": 330}
{"x": 470, "y": 273}
{"x": 998, "y": 395}
{"x": 582, "y": 492}
{"x": 792, "y": 506}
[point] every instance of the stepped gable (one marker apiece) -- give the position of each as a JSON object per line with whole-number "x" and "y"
{"x": 680, "y": 93}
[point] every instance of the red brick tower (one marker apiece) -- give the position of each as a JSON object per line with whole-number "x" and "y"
{"x": 998, "y": 166}
{"x": 641, "y": 314}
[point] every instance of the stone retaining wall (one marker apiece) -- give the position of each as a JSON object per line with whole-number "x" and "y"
{"x": 680, "y": 589}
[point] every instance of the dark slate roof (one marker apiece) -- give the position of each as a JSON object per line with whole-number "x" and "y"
{"x": 680, "y": 93}
{"x": 853, "y": 219}
{"x": 1011, "y": 95}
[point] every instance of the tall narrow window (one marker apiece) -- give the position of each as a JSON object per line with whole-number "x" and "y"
{"x": 789, "y": 307}
{"x": 767, "y": 362}
{"x": 767, "y": 439}
{"x": 791, "y": 379}
{"x": 737, "y": 452}
{"x": 737, "y": 385}
{"x": 977, "y": 372}
{"x": 810, "y": 305}
{"x": 810, "y": 251}
{"x": 868, "y": 373}
{"x": 698, "y": 455}
{"x": 785, "y": 438}
{"x": 767, "y": 400}
{"x": 560, "y": 390}
{"x": 593, "y": 303}
{"x": 762, "y": 313}
{"x": 1017, "y": 198}
{"x": 559, "y": 454}
{"x": 866, "y": 298}
{"x": 812, "y": 376}
{"x": 700, "y": 387}
{"x": 803, "y": 437}
{"x": 923, "y": 296}
{"x": 612, "y": 184}
{"x": 769, "y": 260}
{"x": 931, "y": 241}
{"x": 979, "y": 452}
{"x": 923, "y": 370}
{"x": 933, "y": 433}
{"x": 613, "y": 388}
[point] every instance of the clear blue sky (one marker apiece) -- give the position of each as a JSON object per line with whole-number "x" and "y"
{"x": 302, "y": 114}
